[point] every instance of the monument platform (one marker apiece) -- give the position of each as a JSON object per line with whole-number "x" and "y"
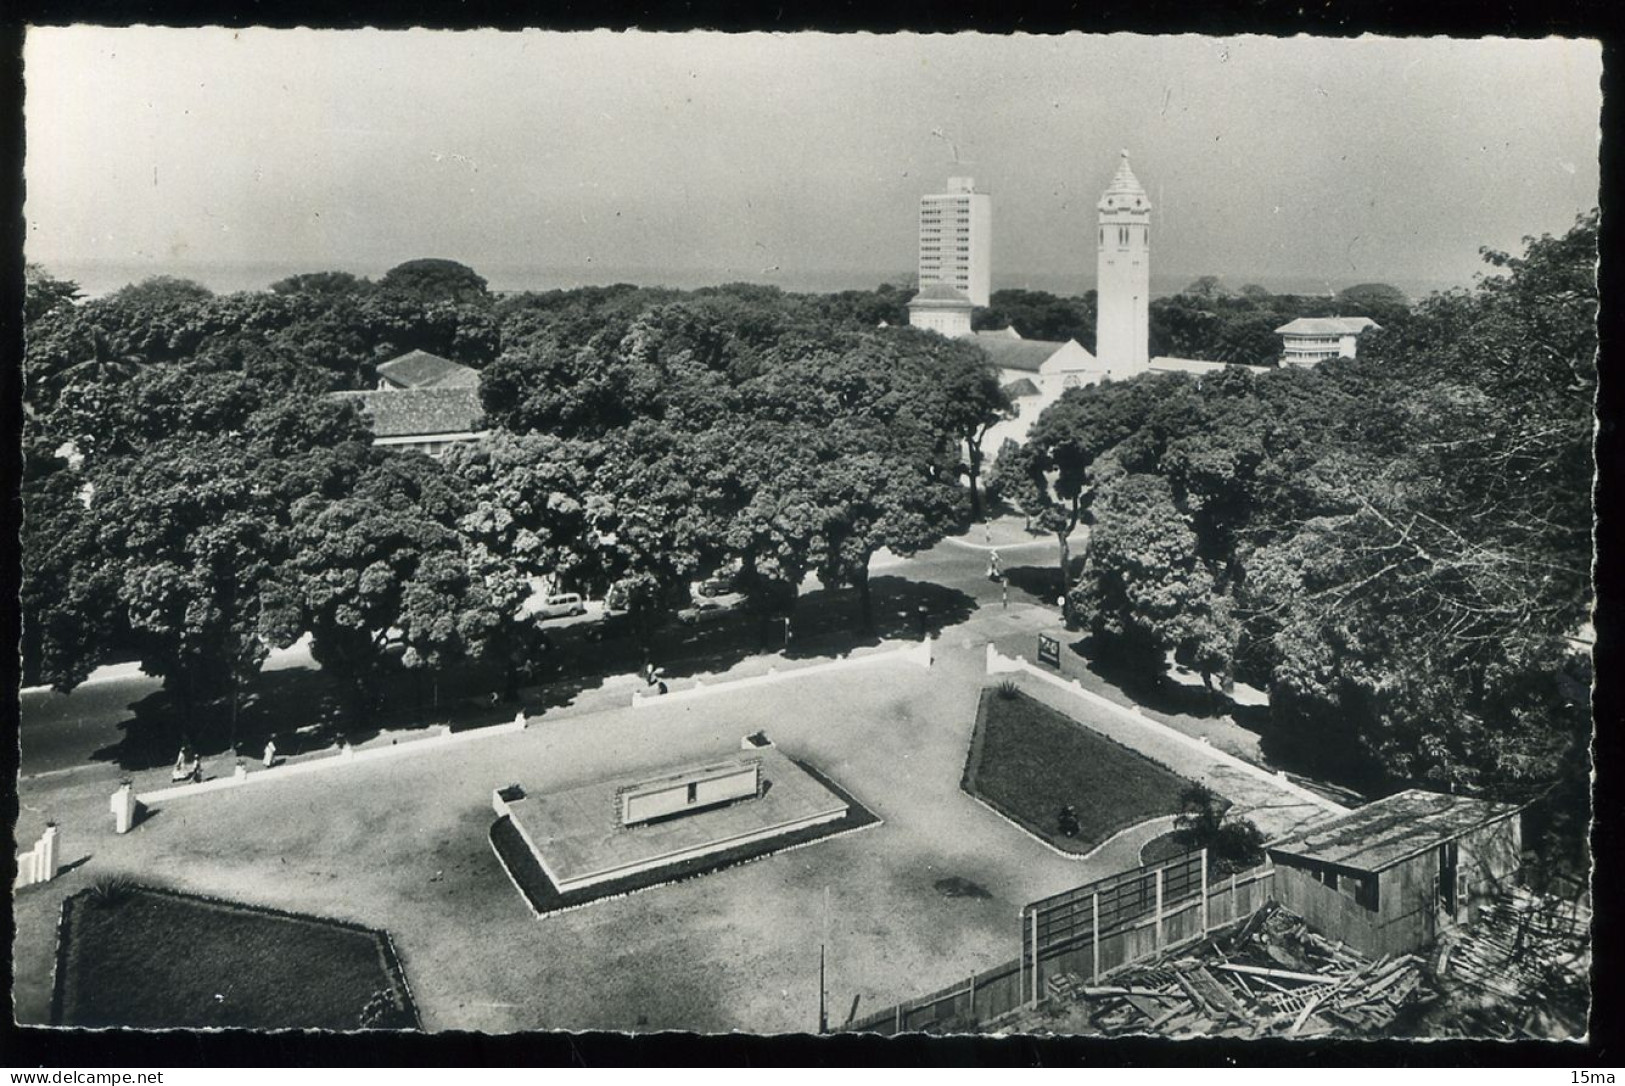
{"x": 581, "y": 839}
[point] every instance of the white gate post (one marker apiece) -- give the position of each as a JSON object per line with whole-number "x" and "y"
{"x": 1204, "y": 892}
{"x": 123, "y": 807}
{"x": 46, "y": 851}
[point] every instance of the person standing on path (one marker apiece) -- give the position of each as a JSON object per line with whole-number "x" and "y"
{"x": 270, "y": 752}
{"x": 1004, "y": 594}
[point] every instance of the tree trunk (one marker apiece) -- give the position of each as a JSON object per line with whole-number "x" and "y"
{"x": 866, "y": 603}
{"x": 974, "y": 456}
{"x": 510, "y": 680}
{"x": 234, "y": 685}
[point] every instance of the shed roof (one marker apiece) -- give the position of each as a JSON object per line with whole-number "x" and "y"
{"x": 1016, "y": 354}
{"x": 1020, "y": 388}
{"x": 419, "y": 411}
{"x": 1327, "y": 326}
{"x": 1382, "y": 834}
{"x": 420, "y": 369}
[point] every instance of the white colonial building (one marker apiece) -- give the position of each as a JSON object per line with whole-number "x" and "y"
{"x": 1309, "y": 341}
{"x": 941, "y": 308}
{"x": 423, "y": 402}
{"x": 1037, "y": 372}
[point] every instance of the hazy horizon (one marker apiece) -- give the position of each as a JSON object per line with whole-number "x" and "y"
{"x": 100, "y": 278}
{"x": 797, "y": 158}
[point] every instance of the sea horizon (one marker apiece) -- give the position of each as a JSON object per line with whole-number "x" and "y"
{"x": 98, "y": 278}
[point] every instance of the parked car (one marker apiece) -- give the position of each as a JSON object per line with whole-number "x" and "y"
{"x": 706, "y": 609}
{"x": 561, "y": 605}
{"x": 720, "y": 584}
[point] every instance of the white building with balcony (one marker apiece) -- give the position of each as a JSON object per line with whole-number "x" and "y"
{"x": 1308, "y": 341}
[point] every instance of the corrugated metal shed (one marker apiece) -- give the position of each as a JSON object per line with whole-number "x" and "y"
{"x": 1389, "y": 831}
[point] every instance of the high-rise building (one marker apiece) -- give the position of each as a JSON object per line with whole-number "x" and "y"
{"x": 1123, "y": 274}
{"x": 956, "y": 239}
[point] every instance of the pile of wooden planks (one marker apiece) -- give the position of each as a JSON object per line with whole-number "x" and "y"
{"x": 1520, "y": 947}
{"x": 1267, "y": 976}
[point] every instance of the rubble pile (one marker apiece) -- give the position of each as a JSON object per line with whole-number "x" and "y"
{"x": 1268, "y": 976}
{"x": 1521, "y": 970}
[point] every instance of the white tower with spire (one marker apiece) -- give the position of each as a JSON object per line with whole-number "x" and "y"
{"x": 1123, "y": 275}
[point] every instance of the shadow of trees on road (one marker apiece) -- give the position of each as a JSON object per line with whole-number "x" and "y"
{"x": 305, "y": 709}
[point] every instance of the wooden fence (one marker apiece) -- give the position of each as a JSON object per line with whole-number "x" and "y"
{"x": 1090, "y": 932}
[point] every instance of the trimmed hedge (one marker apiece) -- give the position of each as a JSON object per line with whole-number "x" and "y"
{"x": 157, "y": 958}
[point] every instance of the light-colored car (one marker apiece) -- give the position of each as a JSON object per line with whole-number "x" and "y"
{"x": 561, "y": 605}
{"x": 706, "y": 609}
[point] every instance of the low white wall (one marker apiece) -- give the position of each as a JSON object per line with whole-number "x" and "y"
{"x": 40, "y": 863}
{"x": 918, "y": 653}
{"x": 347, "y": 755}
{"x": 999, "y": 664}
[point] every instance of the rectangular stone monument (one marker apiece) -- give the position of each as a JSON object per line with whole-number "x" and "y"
{"x": 697, "y": 788}
{"x": 605, "y": 830}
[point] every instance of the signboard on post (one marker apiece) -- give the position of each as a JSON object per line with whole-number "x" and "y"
{"x": 1049, "y": 651}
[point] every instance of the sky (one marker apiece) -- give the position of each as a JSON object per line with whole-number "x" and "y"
{"x": 784, "y": 158}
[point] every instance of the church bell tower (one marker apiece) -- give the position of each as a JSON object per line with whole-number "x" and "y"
{"x": 1123, "y": 275}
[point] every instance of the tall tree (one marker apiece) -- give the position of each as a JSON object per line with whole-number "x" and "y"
{"x": 434, "y": 280}
{"x": 380, "y": 574}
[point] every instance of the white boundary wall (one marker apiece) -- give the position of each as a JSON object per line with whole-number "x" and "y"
{"x": 999, "y": 664}
{"x": 40, "y": 863}
{"x": 919, "y": 653}
{"x": 347, "y": 755}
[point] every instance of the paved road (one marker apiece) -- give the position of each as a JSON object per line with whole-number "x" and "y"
{"x": 62, "y": 734}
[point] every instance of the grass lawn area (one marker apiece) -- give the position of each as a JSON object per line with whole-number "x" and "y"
{"x": 150, "y": 958}
{"x": 1027, "y": 761}
{"x": 1159, "y": 849}
{"x": 545, "y": 897}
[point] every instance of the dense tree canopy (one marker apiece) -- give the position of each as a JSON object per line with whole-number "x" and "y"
{"x": 434, "y": 280}
{"x": 1207, "y": 321}
{"x": 1397, "y": 547}
{"x": 1036, "y": 314}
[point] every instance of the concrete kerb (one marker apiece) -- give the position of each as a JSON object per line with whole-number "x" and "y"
{"x": 347, "y": 756}
{"x": 998, "y": 664}
{"x": 1048, "y": 541}
{"x": 919, "y": 653}
{"x": 1061, "y": 852}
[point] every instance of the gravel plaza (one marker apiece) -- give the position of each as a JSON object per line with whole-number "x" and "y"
{"x": 401, "y": 844}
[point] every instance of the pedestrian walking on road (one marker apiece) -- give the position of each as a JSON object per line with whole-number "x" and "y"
{"x": 1004, "y": 594}
{"x": 270, "y": 752}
